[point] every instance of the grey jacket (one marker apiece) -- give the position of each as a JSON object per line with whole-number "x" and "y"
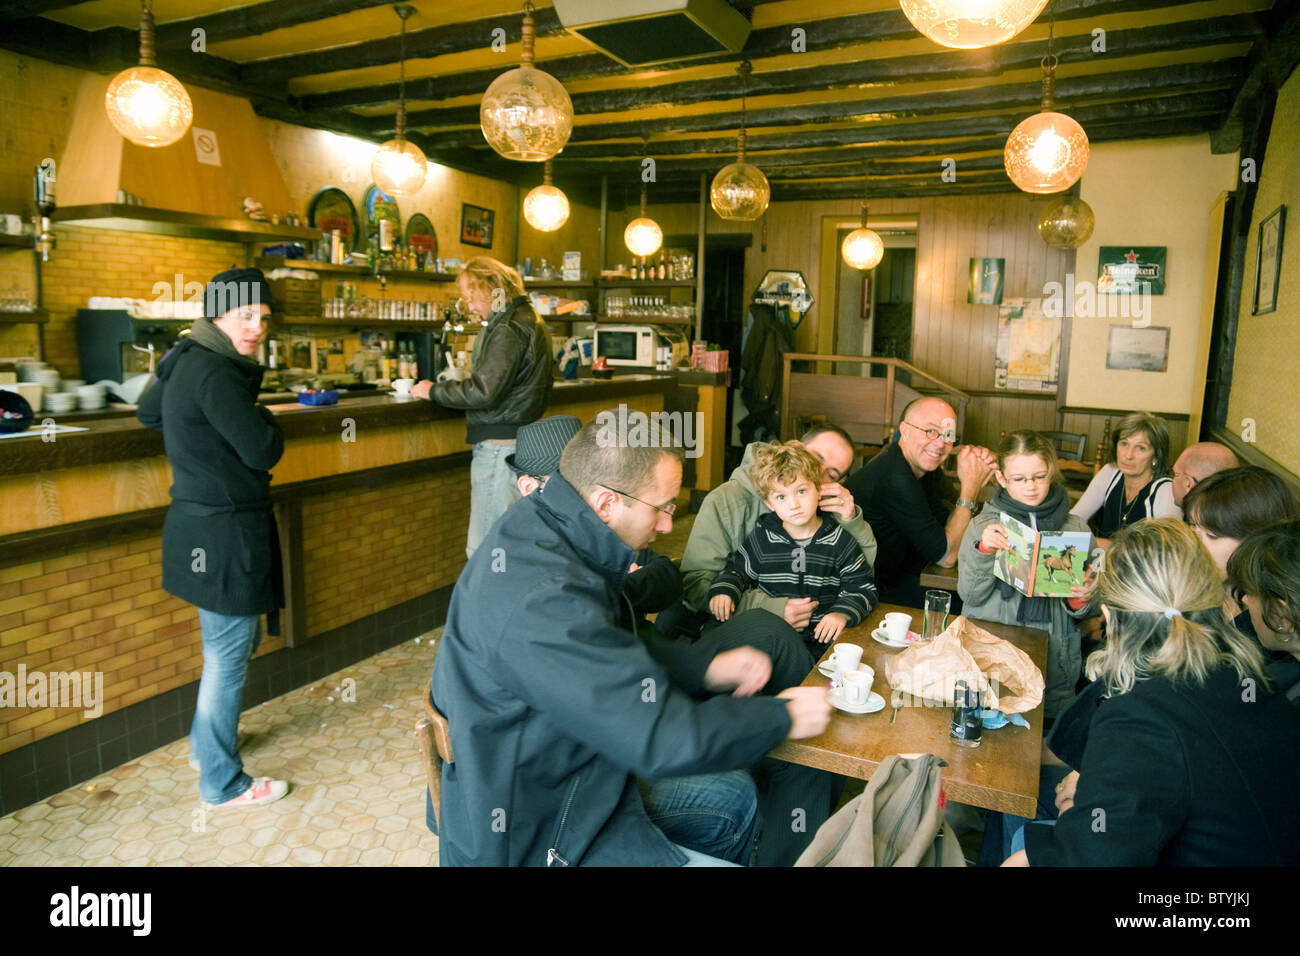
{"x": 983, "y": 601}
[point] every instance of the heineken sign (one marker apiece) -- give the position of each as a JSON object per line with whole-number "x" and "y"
{"x": 1128, "y": 268}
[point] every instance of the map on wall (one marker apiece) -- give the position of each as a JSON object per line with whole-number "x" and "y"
{"x": 1029, "y": 348}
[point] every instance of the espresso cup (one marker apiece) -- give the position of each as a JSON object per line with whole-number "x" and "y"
{"x": 846, "y": 656}
{"x": 897, "y": 625}
{"x": 403, "y": 386}
{"x": 857, "y": 687}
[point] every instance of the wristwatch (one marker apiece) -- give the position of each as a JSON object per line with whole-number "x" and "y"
{"x": 972, "y": 506}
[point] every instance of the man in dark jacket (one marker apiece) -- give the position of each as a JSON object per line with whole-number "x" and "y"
{"x": 509, "y": 385}
{"x": 554, "y": 707}
{"x": 220, "y": 548}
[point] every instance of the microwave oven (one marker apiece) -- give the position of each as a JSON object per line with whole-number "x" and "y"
{"x": 626, "y": 344}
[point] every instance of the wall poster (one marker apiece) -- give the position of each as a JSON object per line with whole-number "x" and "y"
{"x": 1029, "y": 348}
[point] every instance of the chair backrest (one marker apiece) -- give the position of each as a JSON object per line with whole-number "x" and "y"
{"x": 1069, "y": 445}
{"x": 433, "y": 734}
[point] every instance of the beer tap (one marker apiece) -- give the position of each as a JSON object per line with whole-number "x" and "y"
{"x": 45, "y": 208}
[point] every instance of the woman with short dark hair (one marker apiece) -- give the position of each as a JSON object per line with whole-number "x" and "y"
{"x": 1264, "y": 574}
{"x": 1134, "y": 484}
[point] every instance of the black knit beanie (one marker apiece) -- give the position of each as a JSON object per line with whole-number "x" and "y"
{"x": 235, "y": 289}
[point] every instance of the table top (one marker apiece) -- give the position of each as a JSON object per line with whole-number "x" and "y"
{"x": 935, "y": 576}
{"x": 1000, "y": 774}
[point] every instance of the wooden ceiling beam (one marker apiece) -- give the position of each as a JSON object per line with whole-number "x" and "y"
{"x": 431, "y": 42}
{"x": 820, "y": 35}
{"x": 1219, "y": 74}
{"x": 259, "y": 18}
{"x": 20, "y": 9}
{"x": 929, "y": 67}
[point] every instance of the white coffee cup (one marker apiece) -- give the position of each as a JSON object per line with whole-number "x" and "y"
{"x": 857, "y": 686}
{"x": 846, "y": 656}
{"x": 897, "y": 625}
{"x": 403, "y": 386}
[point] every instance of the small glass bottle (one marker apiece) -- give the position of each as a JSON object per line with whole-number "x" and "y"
{"x": 967, "y": 722}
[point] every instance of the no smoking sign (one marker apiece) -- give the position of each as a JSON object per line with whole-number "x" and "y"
{"x": 205, "y": 146}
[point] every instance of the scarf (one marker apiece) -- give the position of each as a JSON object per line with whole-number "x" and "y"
{"x": 213, "y": 339}
{"x": 1049, "y": 515}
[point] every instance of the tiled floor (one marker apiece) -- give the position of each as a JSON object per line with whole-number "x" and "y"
{"x": 346, "y": 745}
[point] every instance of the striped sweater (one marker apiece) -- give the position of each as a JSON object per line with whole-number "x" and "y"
{"x": 831, "y": 568}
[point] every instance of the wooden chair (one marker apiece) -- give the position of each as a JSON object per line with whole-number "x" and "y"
{"x": 1069, "y": 445}
{"x": 434, "y": 736}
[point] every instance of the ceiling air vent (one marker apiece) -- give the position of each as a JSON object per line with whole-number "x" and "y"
{"x": 642, "y": 32}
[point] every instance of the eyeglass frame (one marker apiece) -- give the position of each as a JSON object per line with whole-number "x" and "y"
{"x": 669, "y": 509}
{"x": 932, "y": 433}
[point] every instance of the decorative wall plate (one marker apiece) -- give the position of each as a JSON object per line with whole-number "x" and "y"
{"x": 420, "y": 236}
{"x": 331, "y": 209}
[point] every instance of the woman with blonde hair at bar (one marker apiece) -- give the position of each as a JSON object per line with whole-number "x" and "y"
{"x": 1184, "y": 755}
{"x": 509, "y": 384}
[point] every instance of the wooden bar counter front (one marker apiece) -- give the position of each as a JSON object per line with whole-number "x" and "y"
{"x": 1000, "y": 774}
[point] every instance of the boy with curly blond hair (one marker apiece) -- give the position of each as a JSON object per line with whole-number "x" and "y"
{"x": 795, "y": 551}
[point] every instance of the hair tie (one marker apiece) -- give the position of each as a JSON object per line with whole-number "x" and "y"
{"x": 1172, "y": 612}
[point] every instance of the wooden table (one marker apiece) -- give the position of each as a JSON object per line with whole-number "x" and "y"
{"x": 1000, "y": 774}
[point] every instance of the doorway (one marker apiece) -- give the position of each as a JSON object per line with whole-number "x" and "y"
{"x": 873, "y": 308}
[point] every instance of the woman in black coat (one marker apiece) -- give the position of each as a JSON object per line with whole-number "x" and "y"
{"x": 220, "y": 548}
{"x": 1184, "y": 754}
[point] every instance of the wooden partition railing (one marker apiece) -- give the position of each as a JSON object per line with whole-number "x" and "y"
{"x": 859, "y": 392}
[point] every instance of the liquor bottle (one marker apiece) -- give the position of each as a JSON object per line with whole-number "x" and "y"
{"x": 663, "y": 269}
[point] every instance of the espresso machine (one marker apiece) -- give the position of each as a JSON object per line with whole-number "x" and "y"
{"x": 113, "y": 344}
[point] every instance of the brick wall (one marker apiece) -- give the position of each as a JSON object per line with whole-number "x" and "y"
{"x": 370, "y": 550}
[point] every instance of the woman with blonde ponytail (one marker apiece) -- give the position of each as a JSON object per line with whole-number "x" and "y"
{"x": 1184, "y": 755}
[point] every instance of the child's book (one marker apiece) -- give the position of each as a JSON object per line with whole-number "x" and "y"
{"x": 1042, "y": 564}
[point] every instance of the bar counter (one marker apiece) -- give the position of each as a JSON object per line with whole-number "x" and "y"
{"x": 372, "y": 501}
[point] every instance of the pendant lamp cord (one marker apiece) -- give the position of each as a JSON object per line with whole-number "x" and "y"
{"x": 1050, "y": 63}
{"x": 403, "y": 11}
{"x": 147, "y": 57}
{"x": 744, "y": 69}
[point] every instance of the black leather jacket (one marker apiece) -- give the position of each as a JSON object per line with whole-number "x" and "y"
{"x": 511, "y": 381}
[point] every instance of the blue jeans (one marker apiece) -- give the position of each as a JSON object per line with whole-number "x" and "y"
{"x": 491, "y": 490}
{"x": 228, "y": 643}
{"x": 694, "y": 858}
{"x": 715, "y": 814}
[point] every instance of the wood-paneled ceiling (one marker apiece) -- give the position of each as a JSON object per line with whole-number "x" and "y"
{"x": 866, "y": 87}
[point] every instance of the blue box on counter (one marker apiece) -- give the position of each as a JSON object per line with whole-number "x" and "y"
{"x": 325, "y": 397}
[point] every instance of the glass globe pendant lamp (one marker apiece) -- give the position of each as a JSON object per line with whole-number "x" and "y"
{"x": 740, "y": 191}
{"x": 147, "y": 105}
{"x": 862, "y": 248}
{"x": 643, "y": 237}
{"x": 1067, "y": 223}
{"x": 399, "y": 167}
{"x": 971, "y": 24}
{"x": 526, "y": 114}
{"x": 1048, "y": 152}
{"x": 546, "y": 208}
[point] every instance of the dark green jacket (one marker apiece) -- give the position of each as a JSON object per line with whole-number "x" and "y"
{"x": 220, "y": 547}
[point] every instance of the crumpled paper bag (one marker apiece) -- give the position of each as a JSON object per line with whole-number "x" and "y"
{"x": 1010, "y": 681}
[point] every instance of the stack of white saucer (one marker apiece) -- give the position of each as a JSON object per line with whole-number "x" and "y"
{"x": 92, "y": 397}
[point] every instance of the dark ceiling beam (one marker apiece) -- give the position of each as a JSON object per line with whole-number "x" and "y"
{"x": 431, "y": 42}
{"x": 18, "y": 9}
{"x": 990, "y": 62}
{"x": 256, "y": 19}
{"x": 1273, "y": 59}
{"x": 1191, "y": 104}
{"x": 1023, "y": 96}
{"x": 820, "y": 34}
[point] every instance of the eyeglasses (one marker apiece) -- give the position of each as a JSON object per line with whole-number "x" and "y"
{"x": 1021, "y": 479}
{"x": 1192, "y": 478}
{"x": 949, "y": 437}
{"x": 669, "y": 509}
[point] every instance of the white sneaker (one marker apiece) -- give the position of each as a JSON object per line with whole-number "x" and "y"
{"x": 263, "y": 790}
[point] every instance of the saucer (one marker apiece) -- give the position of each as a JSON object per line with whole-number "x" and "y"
{"x": 874, "y": 703}
{"x": 880, "y": 636}
{"x": 827, "y": 668}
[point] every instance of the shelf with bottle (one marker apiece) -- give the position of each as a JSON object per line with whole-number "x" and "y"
{"x": 268, "y": 263}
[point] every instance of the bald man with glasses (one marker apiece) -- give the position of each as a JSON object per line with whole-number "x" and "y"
{"x": 916, "y": 514}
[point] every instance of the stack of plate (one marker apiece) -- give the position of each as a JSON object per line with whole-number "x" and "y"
{"x": 60, "y": 403}
{"x": 48, "y": 378}
{"x": 92, "y": 397}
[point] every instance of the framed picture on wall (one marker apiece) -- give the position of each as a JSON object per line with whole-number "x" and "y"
{"x": 476, "y": 225}
{"x": 1268, "y": 261}
{"x": 986, "y": 279}
{"x": 1138, "y": 350}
